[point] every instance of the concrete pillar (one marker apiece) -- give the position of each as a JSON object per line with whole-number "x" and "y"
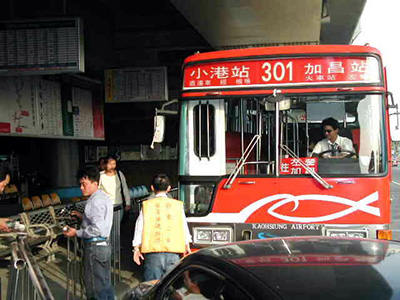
{"x": 63, "y": 163}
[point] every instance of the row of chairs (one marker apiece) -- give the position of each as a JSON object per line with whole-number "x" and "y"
{"x": 37, "y": 202}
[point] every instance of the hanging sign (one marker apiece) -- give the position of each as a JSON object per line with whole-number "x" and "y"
{"x": 41, "y": 47}
{"x": 282, "y": 72}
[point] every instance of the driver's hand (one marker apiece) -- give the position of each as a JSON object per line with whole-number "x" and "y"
{"x": 344, "y": 154}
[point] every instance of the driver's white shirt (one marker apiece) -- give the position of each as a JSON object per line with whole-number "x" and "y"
{"x": 325, "y": 145}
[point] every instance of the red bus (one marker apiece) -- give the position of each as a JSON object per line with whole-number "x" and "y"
{"x": 250, "y": 123}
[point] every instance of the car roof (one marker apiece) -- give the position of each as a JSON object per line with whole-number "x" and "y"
{"x": 318, "y": 267}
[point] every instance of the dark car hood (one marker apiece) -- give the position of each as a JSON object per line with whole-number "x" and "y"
{"x": 320, "y": 267}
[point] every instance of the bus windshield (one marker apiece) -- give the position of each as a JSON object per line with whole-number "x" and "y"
{"x": 318, "y": 135}
{"x": 338, "y": 135}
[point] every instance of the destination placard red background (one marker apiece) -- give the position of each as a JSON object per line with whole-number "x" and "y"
{"x": 290, "y": 71}
{"x": 307, "y": 259}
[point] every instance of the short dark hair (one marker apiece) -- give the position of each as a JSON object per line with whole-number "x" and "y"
{"x": 331, "y": 122}
{"x": 4, "y": 170}
{"x": 160, "y": 182}
{"x": 91, "y": 173}
{"x": 101, "y": 159}
{"x": 108, "y": 158}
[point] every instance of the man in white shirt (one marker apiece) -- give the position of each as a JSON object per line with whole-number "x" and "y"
{"x": 334, "y": 145}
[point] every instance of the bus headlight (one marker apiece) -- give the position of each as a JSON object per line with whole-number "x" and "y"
{"x": 361, "y": 234}
{"x": 203, "y": 235}
{"x": 221, "y": 235}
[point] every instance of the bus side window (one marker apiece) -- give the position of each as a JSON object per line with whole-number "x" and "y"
{"x": 204, "y": 130}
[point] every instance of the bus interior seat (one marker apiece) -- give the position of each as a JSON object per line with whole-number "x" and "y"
{"x": 345, "y": 132}
{"x": 315, "y": 135}
{"x": 234, "y": 151}
{"x": 356, "y": 138}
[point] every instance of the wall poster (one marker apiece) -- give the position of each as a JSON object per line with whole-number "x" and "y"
{"x": 136, "y": 85}
{"x": 33, "y": 106}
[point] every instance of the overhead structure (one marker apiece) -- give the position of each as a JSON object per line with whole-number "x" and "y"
{"x": 229, "y": 24}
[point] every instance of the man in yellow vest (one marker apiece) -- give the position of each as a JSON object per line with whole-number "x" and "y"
{"x": 161, "y": 232}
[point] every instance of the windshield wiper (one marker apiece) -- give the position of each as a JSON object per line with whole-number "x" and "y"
{"x": 241, "y": 161}
{"x": 310, "y": 170}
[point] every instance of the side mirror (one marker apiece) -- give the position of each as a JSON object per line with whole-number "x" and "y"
{"x": 159, "y": 129}
{"x": 394, "y": 119}
{"x": 159, "y": 121}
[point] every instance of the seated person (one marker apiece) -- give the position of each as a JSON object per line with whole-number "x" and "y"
{"x": 334, "y": 144}
{"x": 190, "y": 290}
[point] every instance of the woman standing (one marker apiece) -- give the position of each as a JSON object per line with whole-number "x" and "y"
{"x": 113, "y": 183}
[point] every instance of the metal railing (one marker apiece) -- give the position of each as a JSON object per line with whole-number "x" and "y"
{"x": 74, "y": 276}
{"x": 42, "y": 228}
{"x": 115, "y": 241}
{"x": 26, "y": 280}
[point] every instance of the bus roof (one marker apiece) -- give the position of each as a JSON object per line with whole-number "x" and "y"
{"x": 281, "y": 50}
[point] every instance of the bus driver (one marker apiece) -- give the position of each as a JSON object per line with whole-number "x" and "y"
{"x": 334, "y": 145}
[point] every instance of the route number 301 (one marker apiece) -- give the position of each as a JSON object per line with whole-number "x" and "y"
{"x": 277, "y": 71}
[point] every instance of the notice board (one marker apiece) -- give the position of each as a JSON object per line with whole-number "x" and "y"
{"x": 41, "y": 47}
{"x": 136, "y": 85}
{"x": 34, "y": 107}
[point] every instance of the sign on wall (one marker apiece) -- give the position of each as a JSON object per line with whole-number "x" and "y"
{"x": 136, "y": 85}
{"x": 41, "y": 47}
{"x": 131, "y": 152}
{"x": 50, "y": 110}
{"x": 18, "y": 105}
{"x": 32, "y": 106}
{"x": 83, "y": 112}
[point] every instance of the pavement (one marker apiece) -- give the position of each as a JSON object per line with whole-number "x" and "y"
{"x": 395, "y": 205}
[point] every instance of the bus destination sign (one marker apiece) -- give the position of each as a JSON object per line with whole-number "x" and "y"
{"x": 283, "y": 72}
